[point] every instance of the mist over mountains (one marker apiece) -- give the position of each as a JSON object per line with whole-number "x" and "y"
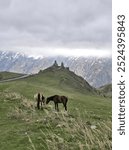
{"x": 96, "y": 70}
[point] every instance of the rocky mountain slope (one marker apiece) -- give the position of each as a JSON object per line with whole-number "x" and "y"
{"x": 97, "y": 71}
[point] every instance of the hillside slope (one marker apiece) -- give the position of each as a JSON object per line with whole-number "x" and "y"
{"x": 106, "y": 90}
{"x": 86, "y": 124}
{"x": 9, "y": 75}
{"x": 65, "y": 79}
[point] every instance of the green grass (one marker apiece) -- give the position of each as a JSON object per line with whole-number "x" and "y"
{"x": 9, "y": 75}
{"x": 86, "y": 125}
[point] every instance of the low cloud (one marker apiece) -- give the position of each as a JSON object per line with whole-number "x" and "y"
{"x": 57, "y": 24}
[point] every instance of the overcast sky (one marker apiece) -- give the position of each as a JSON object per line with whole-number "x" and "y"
{"x": 64, "y": 27}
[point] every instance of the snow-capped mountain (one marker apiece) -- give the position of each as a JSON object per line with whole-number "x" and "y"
{"x": 97, "y": 71}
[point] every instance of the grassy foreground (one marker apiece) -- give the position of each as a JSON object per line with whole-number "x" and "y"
{"x": 24, "y": 127}
{"x": 85, "y": 126}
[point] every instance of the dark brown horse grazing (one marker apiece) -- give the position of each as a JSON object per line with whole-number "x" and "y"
{"x": 58, "y": 99}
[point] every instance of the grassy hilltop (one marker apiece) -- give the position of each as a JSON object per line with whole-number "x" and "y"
{"x": 86, "y": 125}
{"x": 8, "y": 75}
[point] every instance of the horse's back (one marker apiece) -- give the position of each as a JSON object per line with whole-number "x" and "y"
{"x": 53, "y": 97}
{"x": 59, "y": 99}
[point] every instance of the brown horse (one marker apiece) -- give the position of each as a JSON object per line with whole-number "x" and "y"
{"x": 58, "y": 99}
{"x": 40, "y": 100}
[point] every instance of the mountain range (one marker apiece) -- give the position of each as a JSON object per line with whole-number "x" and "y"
{"x": 96, "y": 70}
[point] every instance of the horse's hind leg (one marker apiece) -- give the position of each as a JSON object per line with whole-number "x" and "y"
{"x": 41, "y": 105}
{"x": 55, "y": 106}
{"x": 65, "y": 105}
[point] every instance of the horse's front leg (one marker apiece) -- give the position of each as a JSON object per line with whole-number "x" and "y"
{"x": 65, "y": 106}
{"x": 57, "y": 107}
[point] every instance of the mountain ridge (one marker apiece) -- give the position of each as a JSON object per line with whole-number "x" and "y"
{"x": 67, "y": 77}
{"x": 97, "y": 71}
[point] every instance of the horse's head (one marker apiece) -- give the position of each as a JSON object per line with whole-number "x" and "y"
{"x": 47, "y": 100}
